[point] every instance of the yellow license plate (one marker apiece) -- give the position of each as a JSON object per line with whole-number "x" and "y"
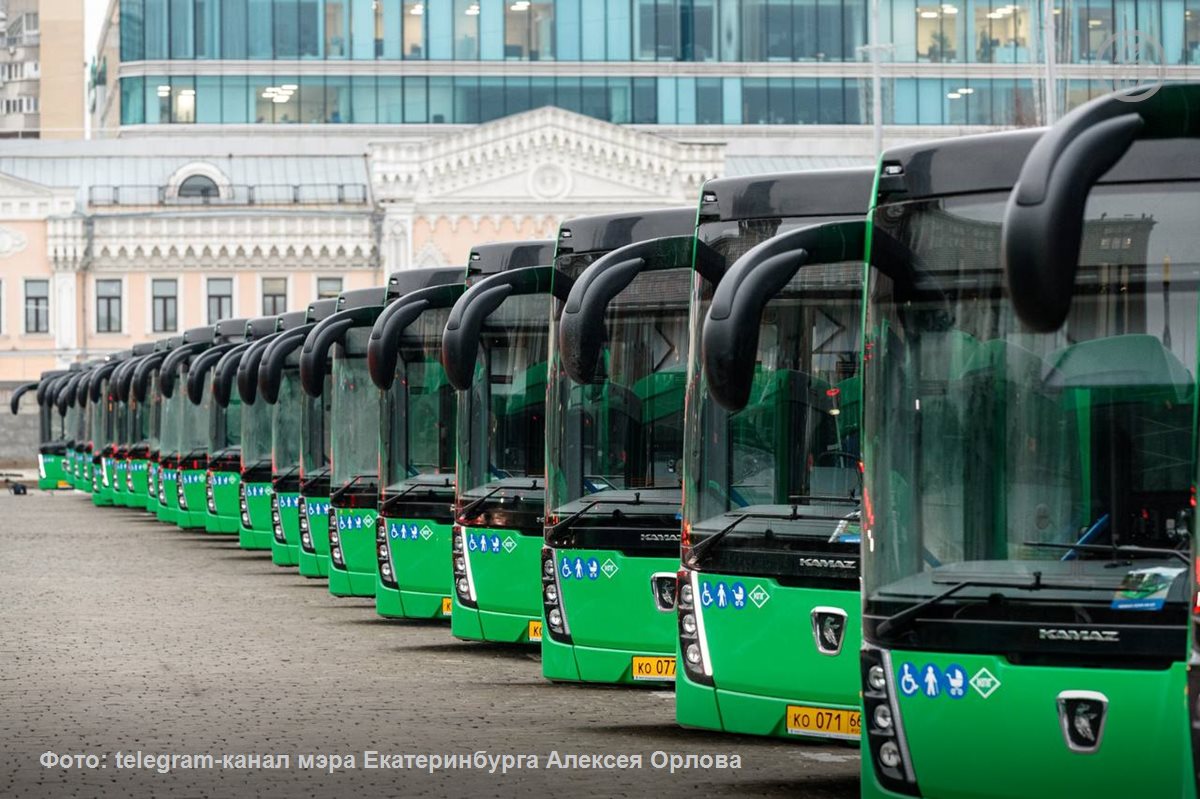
{"x": 535, "y": 631}
{"x": 823, "y": 721}
{"x": 653, "y": 668}
{"x": 447, "y": 604}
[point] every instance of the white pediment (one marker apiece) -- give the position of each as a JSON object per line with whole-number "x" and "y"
{"x": 547, "y": 157}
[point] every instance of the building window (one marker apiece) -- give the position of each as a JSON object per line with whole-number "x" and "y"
{"x": 108, "y": 306}
{"x": 37, "y": 306}
{"x": 328, "y": 287}
{"x": 165, "y": 301}
{"x": 274, "y": 295}
{"x": 199, "y": 186}
{"x": 220, "y": 299}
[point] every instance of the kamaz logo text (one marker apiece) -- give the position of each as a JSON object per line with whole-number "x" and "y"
{"x": 828, "y": 563}
{"x": 1099, "y": 636}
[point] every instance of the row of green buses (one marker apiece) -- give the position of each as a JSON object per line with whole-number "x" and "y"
{"x": 903, "y": 456}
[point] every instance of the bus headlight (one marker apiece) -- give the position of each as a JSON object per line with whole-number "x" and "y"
{"x": 553, "y": 609}
{"x": 461, "y": 564}
{"x": 383, "y": 554}
{"x": 690, "y": 621}
{"x": 243, "y": 507}
{"x": 883, "y": 735}
{"x": 276, "y": 521}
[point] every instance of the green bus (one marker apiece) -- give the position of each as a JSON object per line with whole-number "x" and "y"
{"x": 52, "y": 436}
{"x": 254, "y": 491}
{"x": 333, "y": 362}
{"x": 354, "y": 427}
{"x": 129, "y": 427}
{"x": 144, "y": 391}
{"x": 214, "y": 376}
{"x": 494, "y": 349}
{"x": 285, "y": 451}
{"x": 296, "y": 414}
{"x": 414, "y": 576}
{"x": 1029, "y": 445}
{"x": 73, "y": 402}
{"x": 104, "y": 414}
{"x": 768, "y": 616}
{"x": 223, "y": 479}
{"x": 184, "y": 460}
{"x": 618, "y": 356}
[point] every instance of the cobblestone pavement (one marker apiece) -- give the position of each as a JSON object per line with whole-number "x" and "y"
{"x": 121, "y": 634}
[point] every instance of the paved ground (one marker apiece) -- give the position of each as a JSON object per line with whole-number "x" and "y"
{"x": 120, "y": 634}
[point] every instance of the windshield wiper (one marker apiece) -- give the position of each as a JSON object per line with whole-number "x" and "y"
{"x": 561, "y": 524}
{"x": 700, "y": 550}
{"x": 391, "y": 501}
{"x": 470, "y": 507}
{"x": 901, "y": 621}
{"x": 343, "y": 489}
{"x": 1123, "y": 549}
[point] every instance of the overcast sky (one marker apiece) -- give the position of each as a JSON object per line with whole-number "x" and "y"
{"x": 95, "y": 16}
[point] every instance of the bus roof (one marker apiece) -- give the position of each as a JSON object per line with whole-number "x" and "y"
{"x": 319, "y": 309}
{"x": 360, "y": 298}
{"x": 201, "y": 335}
{"x": 489, "y": 259}
{"x": 607, "y": 232}
{"x": 825, "y": 192}
{"x": 230, "y": 329}
{"x": 407, "y": 281}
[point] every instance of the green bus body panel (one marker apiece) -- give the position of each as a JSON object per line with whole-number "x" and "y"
{"x": 139, "y": 474}
{"x": 1011, "y": 744}
{"x": 612, "y": 616}
{"x": 316, "y": 564}
{"x": 168, "y": 506}
{"x": 197, "y": 504}
{"x": 288, "y": 553}
{"x": 225, "y": 488}
{"x": 52, "y": 472}
{"x": 258, "y": 505}
{"x": 508, "y": 587}
{"x": 356, "y": 531}
{"x": 421, "y": 564}
{"x": 695, "y": 704}
{"x": 765, "y": 658}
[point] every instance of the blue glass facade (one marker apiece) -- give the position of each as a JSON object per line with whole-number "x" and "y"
{"x": 267, "y": 49}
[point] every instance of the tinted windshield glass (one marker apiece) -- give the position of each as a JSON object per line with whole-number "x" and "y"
{"x": 990, "y": 450}
{"x": 256, "y": 433}
{"x": 98, "y": 411}
{"x": 785, "y": 468}
{"x": 285, "y": 424}
{"x": 225, "y": 424}
{"x": 172, "y": 423}
{"x": 419, "y": 409}
{"x": 194, "y": 435}
{"x": 155, "y": 416}
{"x": 501, "y": 418}
{"x": 355, "y": 412}
{"x": 617, "y": 443}
{"x": 314, "y": 422}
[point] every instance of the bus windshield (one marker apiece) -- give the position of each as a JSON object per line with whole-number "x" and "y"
{"x": 1012, "y": 469}
{"x": 224, "y": 424}
{"x": 314, "y": 422}
{"x": 419, "y": 414}
{"x": 285, "y": 426}
{"x": 172, "y": 423}
{"x": 355, "y": 414}
{"x": 100, "y": 421}
{"x": 501, "y": 418}
{"x": 256, "y": 434}
{"x": 785, "y": 468}
{"x": 194, "y": 433}
{"x": 154, "y": 414}
{"x": 616, "y": 445}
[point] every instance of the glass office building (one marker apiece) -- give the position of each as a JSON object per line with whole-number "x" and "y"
{"x": 648, "y": 62}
